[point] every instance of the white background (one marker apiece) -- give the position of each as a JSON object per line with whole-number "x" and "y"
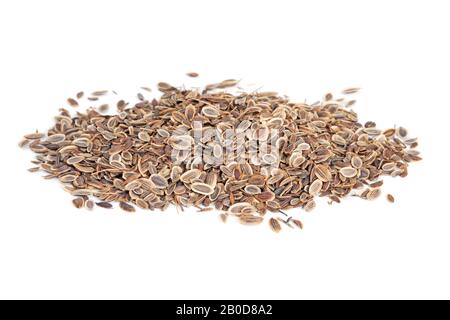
{"x": 397, "y": 51}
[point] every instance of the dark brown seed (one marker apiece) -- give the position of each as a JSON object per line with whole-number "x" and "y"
{"x": 80, "y": 95}
{"x": 126, "y": 207}
{"x": 105, "y": 205}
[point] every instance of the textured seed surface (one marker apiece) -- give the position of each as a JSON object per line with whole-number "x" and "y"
{"x": 150, "y": 154}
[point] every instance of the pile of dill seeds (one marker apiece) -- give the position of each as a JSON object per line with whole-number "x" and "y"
{"x": 146, "y": 155}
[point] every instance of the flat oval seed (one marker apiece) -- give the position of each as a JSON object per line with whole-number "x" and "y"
{"x": 159, "y": 181}
{"x": 202, "y": 188}
{"x": 348, "y": 172}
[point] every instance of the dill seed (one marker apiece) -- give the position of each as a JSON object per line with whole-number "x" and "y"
{"x": 145, "y": 154}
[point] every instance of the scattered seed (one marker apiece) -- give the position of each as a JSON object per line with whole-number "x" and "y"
{"x": 78, "y": 202}
{"x": 72, "y": 102}
{"x": 390, "y": 198}
{"x": 274, "y": 225}
{"x": 105, "y": 205}
{"x": 126, "y": 207}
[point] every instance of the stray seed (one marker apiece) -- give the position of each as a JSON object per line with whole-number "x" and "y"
{"x": 78, "y": 202}
{"x": 390, "y": 198}
{"x": 72, "y": 102}
{"x": 274, "y": 225}
{"x": 126, "y": 207}
{"x": 105, "y": 205}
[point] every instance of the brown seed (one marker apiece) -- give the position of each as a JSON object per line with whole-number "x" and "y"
{"x": 80, "y": 95}
{"x": 323, "y": 173}
{"x": 105, "y": 205}
{"x": 192, "y": 74}
{"x": 90, "y": 204}
{"x": 153, "y": 154}
{"x": 126, "y": 207}
{"x": 390, "y": 198}
{"x": 72, "y": 102}
{"x": 103, "y": 107}
{"x": 298, "y": 223}
{"x": 78, "y": 202}
{"x": 159, "y": 181}
{"x": 274, "y": 225}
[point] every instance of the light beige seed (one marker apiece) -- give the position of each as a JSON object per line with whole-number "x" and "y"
{"x": 81, "y": 142}
{"x": 373, "y": 194}
{"x": 348, "y": 172}
{"x": 144, "y": 136}
{"x": 202, "y": 188}
{"x": 252, "y": 189}
{"x": 309, "y": 206}
{"x": 350, "y": 90}
{"x": 190, "y": 175}
{"x": 75, "y": 159}
{"x": 248, "y": 219}
{"x": 210, "y": 112}
{"x": 56, "y": 138}
{"x": 238, "y": 208}
{"x": 315, "y": 187}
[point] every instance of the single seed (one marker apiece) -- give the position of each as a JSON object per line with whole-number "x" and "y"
{"x": 274, "y": 225}
{"x": 390, "y": 198}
